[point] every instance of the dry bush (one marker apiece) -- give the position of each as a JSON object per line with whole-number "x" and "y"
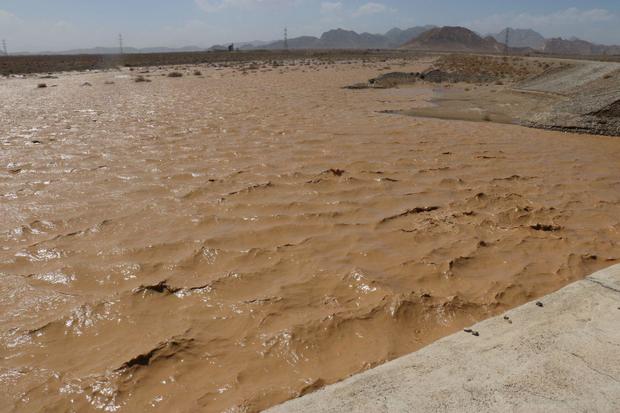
{"x": 175, "y": 74}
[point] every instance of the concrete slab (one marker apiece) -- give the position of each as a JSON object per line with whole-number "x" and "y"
{"x": 561, "y": 357}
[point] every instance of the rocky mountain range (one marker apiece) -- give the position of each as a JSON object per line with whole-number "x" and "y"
{"x": 348, "y": 39}
{"x": 442, "y": 39}
{"x": 453, "y": 39}
{"x": 415, "y": 38}
{"x": 527, "y": 38}
{"x": 578, "y": 47}
{"x": 521, "y": 38}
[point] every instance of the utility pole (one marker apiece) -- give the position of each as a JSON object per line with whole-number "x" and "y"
{"x": 507, "y": 40}
{"x": 285, "y": 38}
{"x": 4, "y": 49}
{"x": 120, "y": 43}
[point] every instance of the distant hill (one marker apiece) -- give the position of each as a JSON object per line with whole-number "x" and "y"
{"x": 348, "y": 39}
{"x": 453, "y": 39}
{"x": 252, "y": 44}
{"x": 578, "y": 47}
{"x": 521, "y": 38}
{"x": 127, "y": 50}
{"x": 303, "y": 42}
{"x": 397, "y": 37}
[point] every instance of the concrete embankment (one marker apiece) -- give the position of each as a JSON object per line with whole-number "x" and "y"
{"x": 560, "y": 354}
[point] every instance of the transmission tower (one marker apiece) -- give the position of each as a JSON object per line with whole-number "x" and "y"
{"x": 507, "y": 40}
{"x": 4, "y": 49}
{"x": 120, "y": 43}
{"x": 286, "y": 38}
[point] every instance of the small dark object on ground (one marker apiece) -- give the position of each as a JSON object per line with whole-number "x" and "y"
{"x": 108, "y": 82}
{"x": 475, "y": 334}
{"x": 37, "y": 142}
{"x": 141, "y": 79}
{"x": 538, "y": 303}
{"x": 197, "y": 73}
{"x": 42, "y": 85}
{"x": 86, "y": 84}
{"x": 468, "y": 330}
{"x": 545, "y": 228}
{"x": 337, "y": 172}
{"x": 175, "y": 74}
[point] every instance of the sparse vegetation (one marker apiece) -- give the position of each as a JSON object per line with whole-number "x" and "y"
{"x": 197, "y": 73}
{"x": 494, "y": 69}
{"x": 175, "y": 74}
{"x": 171, "y": 61}
{"x": 141, "y": 79}
{"x": 42, "y": 85}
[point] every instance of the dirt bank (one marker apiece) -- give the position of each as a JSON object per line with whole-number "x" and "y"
{"x": 573, "y": 96}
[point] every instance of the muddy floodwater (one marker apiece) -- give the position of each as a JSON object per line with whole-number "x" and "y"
{"x": 229, "y": 241}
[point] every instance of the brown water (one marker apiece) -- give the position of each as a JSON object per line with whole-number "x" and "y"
{"x": 228, "y": 242}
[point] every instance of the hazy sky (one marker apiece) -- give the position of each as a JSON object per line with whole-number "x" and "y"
{"x": 36, "y": 25}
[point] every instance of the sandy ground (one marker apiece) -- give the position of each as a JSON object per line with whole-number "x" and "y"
{"x": 230, "y": 240}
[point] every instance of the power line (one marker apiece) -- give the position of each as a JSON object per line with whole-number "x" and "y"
{"x": 4, "y": 49}
{"x": 286, "y": 38}
{"x": 507, "y": 40}
{"x": 120, "y": 43}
